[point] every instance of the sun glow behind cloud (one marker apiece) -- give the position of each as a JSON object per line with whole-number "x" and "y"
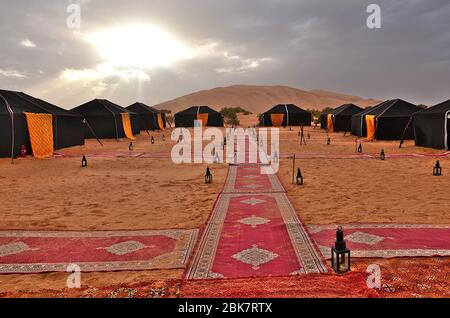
{"x": 129, "y": 52}
{"x": 139, "y": 46}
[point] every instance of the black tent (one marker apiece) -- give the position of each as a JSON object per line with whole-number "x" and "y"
{"x": 103, "y": 119}
{"x": 432, "y": 126}
{"x": 187, "y": 117}
{"x": 148, "y": 116}
{"x": 285, "y": 115}
{"x": 342, "y": 117}
{"x": 391, "y": 118}
{"x": 324, "y": 118}
{"x": 67, "y": 127}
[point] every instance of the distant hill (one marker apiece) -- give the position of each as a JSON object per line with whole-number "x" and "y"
{"x": 258, "y": 99}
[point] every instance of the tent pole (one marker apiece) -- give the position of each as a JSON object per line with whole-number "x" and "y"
{"x": 404, "y": 131}
{"x": 92, "y": 130}
{"x": 293, "y": 169}
{"x": 11, "y": 115}
{"x": 447, "y": 118}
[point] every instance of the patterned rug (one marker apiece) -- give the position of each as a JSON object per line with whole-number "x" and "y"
{"x": 350, "y": 285}
{"x": 35, "y": 252}
{"x": 248, "y": 179}
{"x": 254, "y": 233}
{"x": 149, "y": 289}
{"x": 411, "y": 277}
{"x": 386, "y": 240}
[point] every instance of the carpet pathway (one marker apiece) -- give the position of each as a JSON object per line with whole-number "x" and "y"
{"x": 254, "y": 231}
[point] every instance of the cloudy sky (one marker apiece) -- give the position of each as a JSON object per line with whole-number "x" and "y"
{"x": 156, "y": 50}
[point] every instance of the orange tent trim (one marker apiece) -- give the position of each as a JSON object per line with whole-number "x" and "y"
{"x": 370, "y": 123}
{"x": 126, "y": 122}
{"x": 330, "y": 125}
{"x": 160, "y": 121}
{"x": 204, "y": 118}
{"x": 277, "y": 119}
{"x": 40, "y": 129}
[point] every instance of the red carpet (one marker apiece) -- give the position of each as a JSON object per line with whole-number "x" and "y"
{"x": 386, "y": 240}
{"x": 248, "y": 179}
{"x": 304, "y": 286}
{"x": 34, "y": 252}
{"x": 253, "y": 234}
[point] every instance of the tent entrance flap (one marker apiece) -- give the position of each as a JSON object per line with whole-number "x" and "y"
{"x": 126, "y": 122}
{"x": 277, "y": 119}
{"x": 40, "y": 129}
{"x": 370, "y": 123}
{"x": 203, "y": 118}
{"x": 330, "y": 125}
{"x": 160, "y": 121}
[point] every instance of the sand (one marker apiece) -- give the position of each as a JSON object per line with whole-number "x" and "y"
{"x": 154, "y": 193}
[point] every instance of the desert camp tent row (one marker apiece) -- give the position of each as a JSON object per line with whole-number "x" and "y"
{"x": 149, "y": 117}
{"x": 285, "y": 115}
{"x": 208, "y": 116}
{"x": 394, "y": 120}
{"x": 39, "y": 126}
{"x": 386, "y": 121}
{"x": 340, "y": 119}
{"x": 104, "y": 119}
{"x": 432, "y": 126}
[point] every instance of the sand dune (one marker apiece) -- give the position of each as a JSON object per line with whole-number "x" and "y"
{"x": 258, "y": 99}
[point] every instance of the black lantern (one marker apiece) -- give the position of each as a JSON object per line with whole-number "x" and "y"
{"x": 382, "y": 155}
{"x": 437, "y": 170}
{"x": 328, "y": 141}
{"x": 360, "y": 148}
{"x": 152, "y": 140}
{"x": 84, "y": 162}
{"x": 340, "y": 254}
{"x": 208, "y": 176}
{"x": 130, "y": 147}
{"x": 299, "y": 177}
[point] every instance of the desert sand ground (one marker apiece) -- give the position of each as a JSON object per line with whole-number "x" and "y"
{"x": 154, "y": 193}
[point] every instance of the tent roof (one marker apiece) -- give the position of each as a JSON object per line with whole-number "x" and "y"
{"x": 393, "y": 108}
{"x": 281, "y": 108}
{"x": 20, "y": 102}
{"x": 142, "y": 108}
{"x": 347, "y": 109}
{"x": 197, "y": 109}
{"x": 100, "y": 106}
{"x": 441, "y": 108}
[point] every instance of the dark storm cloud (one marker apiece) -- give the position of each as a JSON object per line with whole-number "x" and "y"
{"x": 302, "y": 43}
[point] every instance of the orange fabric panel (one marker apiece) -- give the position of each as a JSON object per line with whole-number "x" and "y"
{"x": 40, "y": 129}
{"x": 277, "y": 119}
{"x": 330, "y": 125}
{"x": 126, "y": 122}
{"x": 203, "y": 118}
{"x": 160, "y": 122}
{"x": 370, "y": 122}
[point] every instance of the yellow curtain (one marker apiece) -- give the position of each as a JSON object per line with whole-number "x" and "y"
{"x": 204, "y": 118}
{"x": 126, "y": 122}
{"x": 330, "y": 125}
{"x": 370, "y": 122}
{"x": 277, "y": 119}
{"x": 160, "y": 122}
{"x": 40, "y": 129}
